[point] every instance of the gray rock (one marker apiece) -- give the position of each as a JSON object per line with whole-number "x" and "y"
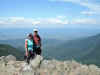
{"x": 10, "y": 58}
{"x": 2, "y": 58}
{"x": 36, "y": 61}
{"x": 38, "y": 66}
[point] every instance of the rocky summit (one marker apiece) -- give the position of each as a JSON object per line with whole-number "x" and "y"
{"x": 40, "y": 66}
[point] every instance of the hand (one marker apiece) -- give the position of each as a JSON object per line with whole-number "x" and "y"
{"x": 40, "y": 47}
{"x": 26, "y": 53}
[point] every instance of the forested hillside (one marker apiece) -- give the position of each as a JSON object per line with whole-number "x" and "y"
{"x": 7, "y": 50}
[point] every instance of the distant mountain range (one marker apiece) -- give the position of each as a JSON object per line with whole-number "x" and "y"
{"x": 94, "y": 56}
{"x": 86, "y": 50}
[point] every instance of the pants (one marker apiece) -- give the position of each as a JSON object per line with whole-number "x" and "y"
{"x": 38, "y": 51}
{"x": 30, "y": 56}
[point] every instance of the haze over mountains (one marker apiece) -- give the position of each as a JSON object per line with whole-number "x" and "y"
{"x": 57, "y": 33}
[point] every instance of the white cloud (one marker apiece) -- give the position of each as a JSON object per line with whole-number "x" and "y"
{"x": 2, "y": 22}
{"x": 59, "y": 21}
{"x": 85, "y": 21}
{"x": 29, "y": 22}
{"x": 61, "y": 17}
{"x": 89, "y": 13}
{"x": 53, "y": 21}
{"x": 94, "y": 8}
{"x": 16, "y": 19}
{"x": 35, "y": 22}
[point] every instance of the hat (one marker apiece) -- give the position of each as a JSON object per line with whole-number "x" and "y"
{"x": 35, "y": 30}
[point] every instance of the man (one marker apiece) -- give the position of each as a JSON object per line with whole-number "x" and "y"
{"x": 37, "y": 41}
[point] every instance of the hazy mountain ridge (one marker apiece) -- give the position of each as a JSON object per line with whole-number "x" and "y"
{"x": 93, "y": 56}
{"x": 85, "y": 48}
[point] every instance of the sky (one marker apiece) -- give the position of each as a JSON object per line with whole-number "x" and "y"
{"x": 50, "y": 13}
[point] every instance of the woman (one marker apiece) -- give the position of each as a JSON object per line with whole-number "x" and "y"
{"x": 29, "y": 43}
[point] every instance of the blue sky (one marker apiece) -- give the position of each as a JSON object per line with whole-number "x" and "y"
{"x": 49, "y": 13}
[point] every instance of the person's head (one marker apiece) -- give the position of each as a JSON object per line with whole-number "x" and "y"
{"x": 35, "y": 31}
{"x": 30, "y": 36}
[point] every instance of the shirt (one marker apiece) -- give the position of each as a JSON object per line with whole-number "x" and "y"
{"x": 29, "y": 44}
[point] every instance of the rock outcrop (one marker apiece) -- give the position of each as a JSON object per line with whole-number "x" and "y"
{"x": 40, "y": 66}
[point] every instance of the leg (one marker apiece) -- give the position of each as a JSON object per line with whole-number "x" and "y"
{"x": 32, "y": 54}
{"x": 38, "y": 51}
{"x": 28, "y": 57}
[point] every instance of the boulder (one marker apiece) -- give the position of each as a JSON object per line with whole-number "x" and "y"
{"x": 36, "y": 61}
{"x": 10, "y": 58}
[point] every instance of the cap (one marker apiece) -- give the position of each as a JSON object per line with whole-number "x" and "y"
{"x": 35, "y": 30}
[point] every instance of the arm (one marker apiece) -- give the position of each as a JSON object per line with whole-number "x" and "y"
{"x": 26, "y": 48}
{"x": 40, "y": 40}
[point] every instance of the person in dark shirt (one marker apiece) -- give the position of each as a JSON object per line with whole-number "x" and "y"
{"x": 37, "y": 41}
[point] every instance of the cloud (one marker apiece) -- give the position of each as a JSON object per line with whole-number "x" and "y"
{"x": 59, "y": 21}
{"x": 29, "y": 22}
{"x": 93, "y": 8}
{"x": 89, "y": 13}
{"x": 85, "y": 21}
{"x": 2, "y": 22}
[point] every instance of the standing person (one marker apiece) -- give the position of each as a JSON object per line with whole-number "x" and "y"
{"x": 29, "y": 48}
{"x": 37, "y": 41}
